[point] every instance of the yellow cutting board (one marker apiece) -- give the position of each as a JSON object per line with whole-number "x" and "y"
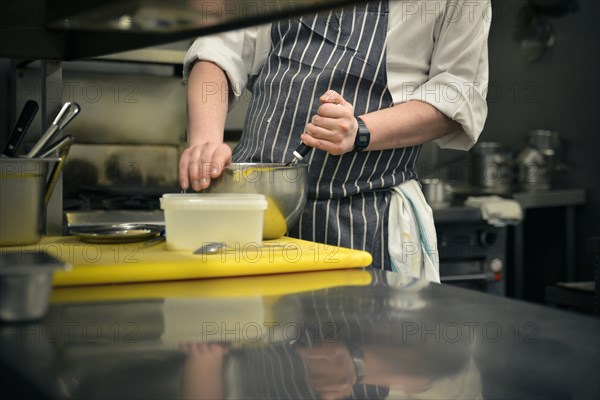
{"x": 266, "y": 286}
{"x": 94, "y": 264}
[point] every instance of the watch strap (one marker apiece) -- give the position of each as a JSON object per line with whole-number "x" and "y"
{"x": 363, "y": 136}
{"x": 358, "y": 359}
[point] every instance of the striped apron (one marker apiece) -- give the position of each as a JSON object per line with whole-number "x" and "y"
{"x": 343, "y": 50}
{"x": 321, "y": 317}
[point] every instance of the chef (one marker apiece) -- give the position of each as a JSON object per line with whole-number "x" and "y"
{"x": 365, "y": 87}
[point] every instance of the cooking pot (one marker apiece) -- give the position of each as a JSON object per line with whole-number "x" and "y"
{"x": 284, "y": 186}
{"x": 25, "y": 189}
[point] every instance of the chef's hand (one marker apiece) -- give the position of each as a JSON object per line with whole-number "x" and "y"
{"x": 203, "y": 370}
{"x": 201, "y": 162}
{"x": 333, "y": 129}
{"x": 331, "y": 372}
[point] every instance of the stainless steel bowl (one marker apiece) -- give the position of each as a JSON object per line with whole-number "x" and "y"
{"x": 285, "y": 188}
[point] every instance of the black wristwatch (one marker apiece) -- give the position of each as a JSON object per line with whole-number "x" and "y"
{"x": 363, "y": 136}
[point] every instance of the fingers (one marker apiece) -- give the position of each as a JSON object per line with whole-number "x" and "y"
{"x": 221, "y": 157}
{"x": 334, "y": 126}
{"x": 335, "y": 111}
{"x": 343, "y": 124}
{"x": 325, "y": 145}
{"x": 335, "y": 395}
{"x": 333, "y": 136}
{"x": 333, "y": 97}
{"x": 199, "y": 163}
{"x": 183, "y": 168}
{"x": 331, "y": 391}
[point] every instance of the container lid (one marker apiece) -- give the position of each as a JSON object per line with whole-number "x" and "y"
{"x": 213, "y": 201}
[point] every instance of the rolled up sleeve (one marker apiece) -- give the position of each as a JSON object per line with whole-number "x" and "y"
{"x": 239, "y": 53}
{"x": 458, "y": 75}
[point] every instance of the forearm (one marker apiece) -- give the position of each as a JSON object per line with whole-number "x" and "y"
{"x": 207, "y": 102}
{"x": 334, "y": 127}
{"x": 407, "y": 124}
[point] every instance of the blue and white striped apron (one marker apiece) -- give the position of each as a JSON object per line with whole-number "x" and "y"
{"x": 325, "y": 316}
{"x": 343, "y": 50}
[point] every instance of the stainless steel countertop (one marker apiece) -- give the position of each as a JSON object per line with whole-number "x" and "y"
{"x": 288, "y": 336}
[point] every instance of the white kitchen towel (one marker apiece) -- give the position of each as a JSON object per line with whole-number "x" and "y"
{"x": 412, "y": 242}
{"x": 496, "y": 210}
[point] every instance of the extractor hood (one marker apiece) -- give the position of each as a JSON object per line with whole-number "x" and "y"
{"x": 75, "y": 29}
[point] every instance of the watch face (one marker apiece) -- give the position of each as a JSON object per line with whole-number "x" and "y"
{"x": 363, "y": 136}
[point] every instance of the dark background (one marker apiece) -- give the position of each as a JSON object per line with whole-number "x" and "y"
{"x": 560, "y": 92}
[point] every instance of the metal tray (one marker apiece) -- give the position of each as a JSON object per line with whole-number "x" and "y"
{"x": 121, "y": 233}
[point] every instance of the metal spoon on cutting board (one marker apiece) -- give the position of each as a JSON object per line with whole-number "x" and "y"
{"x": 216, "y": 247}
{"x": 210, "y": 248}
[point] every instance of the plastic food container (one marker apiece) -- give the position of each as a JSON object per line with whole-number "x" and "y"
{"x": 193, "y": 220}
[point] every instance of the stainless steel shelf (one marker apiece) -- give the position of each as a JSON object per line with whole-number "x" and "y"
{"x": 551, "y": 198}
{"x": 456, "y": 214}
{"x": 74, "y": 29}
{"x": 153, "y": 56}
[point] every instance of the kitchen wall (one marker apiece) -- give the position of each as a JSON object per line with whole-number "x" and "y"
{"x": 560, "y": 93}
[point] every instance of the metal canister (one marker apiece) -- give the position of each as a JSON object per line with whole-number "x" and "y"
{"x": 23, "y": 189}
{"x": 437, "y": 193}
{"x": 539, "y": 160}
{"x": 491, "y": 167}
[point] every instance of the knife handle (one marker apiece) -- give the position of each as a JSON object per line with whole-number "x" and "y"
{"x": 18, "y": 133}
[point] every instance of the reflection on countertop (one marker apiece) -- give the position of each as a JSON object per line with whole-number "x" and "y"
{"x": 358, "y": 333}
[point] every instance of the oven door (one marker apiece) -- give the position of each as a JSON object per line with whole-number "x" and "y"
{"x": 471, "y": 274}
